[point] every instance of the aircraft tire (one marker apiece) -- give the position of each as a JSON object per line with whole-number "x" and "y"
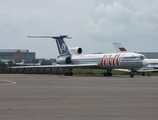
{"x": 71, "y": 74}
{"x": 68, "y": 74}
{"x": 104, "y": 74}
{"x": 107, "y": 74}
{"x": 132, "y": 75}
{"x": 110, "y": 74}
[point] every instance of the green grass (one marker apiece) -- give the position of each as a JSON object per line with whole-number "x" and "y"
{"x": 100, "y": 72}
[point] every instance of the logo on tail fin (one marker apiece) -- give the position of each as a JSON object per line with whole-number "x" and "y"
{"x": 63, "y": 47}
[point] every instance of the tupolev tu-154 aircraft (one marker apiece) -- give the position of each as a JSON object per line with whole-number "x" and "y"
{"x": 70, "y": 58}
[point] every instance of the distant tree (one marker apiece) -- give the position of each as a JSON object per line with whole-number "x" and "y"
{"x": 32, "y": 61}
{"x": 10, "y": 62}
{"x": 35, "y": 61}
{"x": 2, "y": 63}
{"x": 46, "y": 62}
{"x": 28, "y": 61}
{"x": 18, "y": 61}
{"x": 53, "y": 60}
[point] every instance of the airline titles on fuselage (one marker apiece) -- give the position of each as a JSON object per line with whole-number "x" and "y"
{"x": 111, "y": 60}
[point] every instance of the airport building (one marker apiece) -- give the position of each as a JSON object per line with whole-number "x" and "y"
{"x": 16, "y": 54}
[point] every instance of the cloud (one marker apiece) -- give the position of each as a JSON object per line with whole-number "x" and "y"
{"x": 18, "y": 19}
{"x": 110, "y": 20}
{"x": 93, "y": 24}
{"x": 120, "y": 21}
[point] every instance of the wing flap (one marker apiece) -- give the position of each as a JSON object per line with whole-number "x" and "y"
{"x": 124, "y": 70}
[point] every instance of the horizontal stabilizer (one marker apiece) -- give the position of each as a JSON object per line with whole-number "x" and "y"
{"x": 63, "y": 36}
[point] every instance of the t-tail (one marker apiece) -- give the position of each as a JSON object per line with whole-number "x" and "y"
{"x": 61, "y": 45}
{"x": 64, "y": 53}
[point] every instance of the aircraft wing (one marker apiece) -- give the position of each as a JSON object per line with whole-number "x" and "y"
{"x": 60, "y": 66}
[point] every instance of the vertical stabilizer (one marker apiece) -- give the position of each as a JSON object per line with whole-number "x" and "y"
{"x": 61, "y": 45}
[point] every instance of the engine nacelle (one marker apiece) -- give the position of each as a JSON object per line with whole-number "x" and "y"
{"x": 75, "y": 50}
{"x": 66, "y": 60}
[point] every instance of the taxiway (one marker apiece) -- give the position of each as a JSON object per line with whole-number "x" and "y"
{"x": 53, "y": 97}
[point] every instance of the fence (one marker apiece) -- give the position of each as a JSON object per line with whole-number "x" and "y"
{"x": 4, "y": 69}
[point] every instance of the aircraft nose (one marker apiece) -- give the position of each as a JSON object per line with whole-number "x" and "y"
{"x": 145, "y": 62}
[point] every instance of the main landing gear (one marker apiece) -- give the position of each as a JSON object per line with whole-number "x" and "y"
{"x": 143, "y": 74}
{"x": 131, "y": 74}
{"x": 68, "y": 73}
{"x": 108, "y": 73}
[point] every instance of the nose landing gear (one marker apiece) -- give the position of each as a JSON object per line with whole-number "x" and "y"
{"x": 131, "y": 74}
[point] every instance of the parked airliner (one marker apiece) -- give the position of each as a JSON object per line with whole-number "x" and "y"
{"x": 152, "y": 67}
{"x": 70, "y": 58}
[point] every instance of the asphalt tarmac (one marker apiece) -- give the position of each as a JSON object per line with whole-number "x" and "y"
{"x": 53, "y": 97}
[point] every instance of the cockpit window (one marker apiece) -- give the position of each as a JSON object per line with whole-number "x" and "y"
{"x": 141, "y": 57}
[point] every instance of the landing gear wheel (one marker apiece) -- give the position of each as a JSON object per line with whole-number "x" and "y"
{"x": 107, "y": 74}
{"x": 148, "y": 74}
{"x": 132, "y": 75}
{"x": 110, "y": 74}
{"x": 104, "y": 74}
{"x": 69, "y": 73}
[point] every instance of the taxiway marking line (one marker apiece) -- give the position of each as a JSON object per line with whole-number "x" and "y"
{"x": 8, "y": 82}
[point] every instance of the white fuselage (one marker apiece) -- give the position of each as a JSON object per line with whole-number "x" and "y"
{"x": 112, "y": 60}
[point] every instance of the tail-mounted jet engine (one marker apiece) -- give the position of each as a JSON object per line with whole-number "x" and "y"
{"x": 75, "y": 50}
{"x": 66, "y": 60}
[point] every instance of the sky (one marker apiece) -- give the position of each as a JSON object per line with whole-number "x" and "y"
{"x": 93, "y": 25}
